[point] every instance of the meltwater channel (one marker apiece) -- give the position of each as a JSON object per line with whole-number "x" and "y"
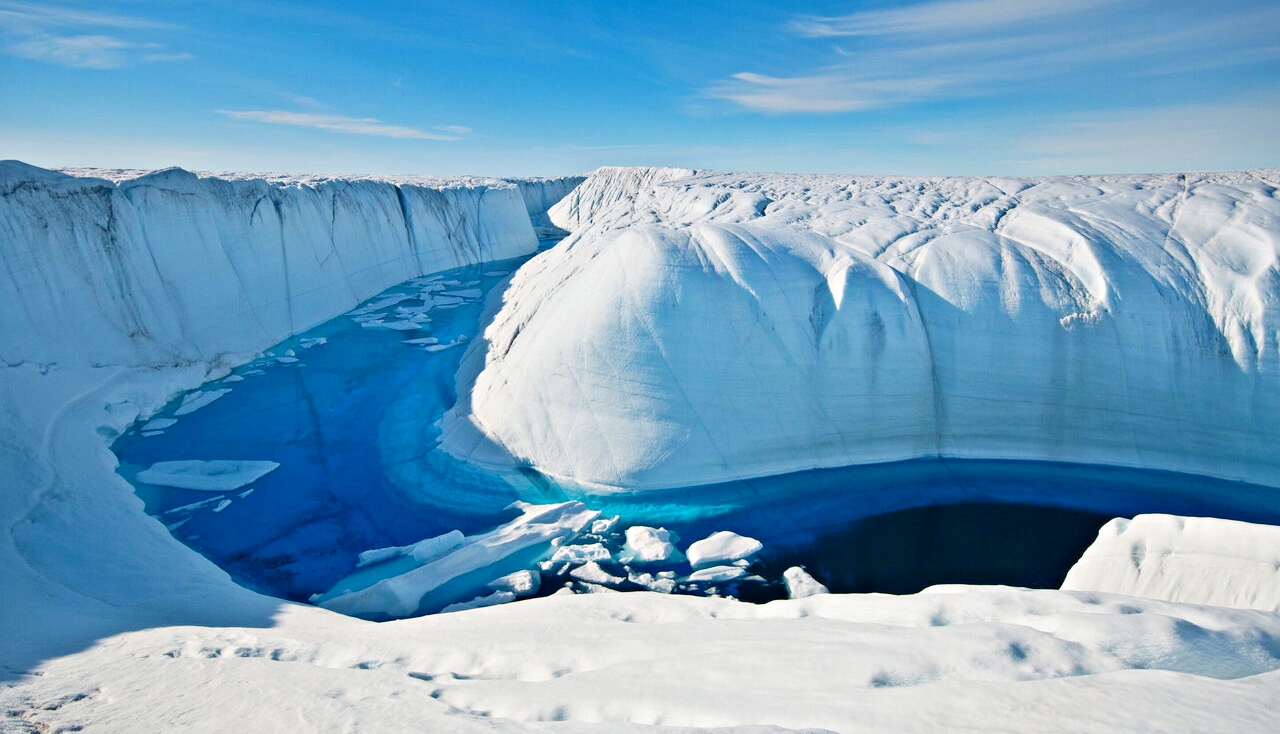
{"x": 349, "y": 411}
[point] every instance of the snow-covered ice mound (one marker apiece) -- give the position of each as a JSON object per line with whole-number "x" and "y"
{"x": 1198, "y": 560}
{"x": 698, "y": 328}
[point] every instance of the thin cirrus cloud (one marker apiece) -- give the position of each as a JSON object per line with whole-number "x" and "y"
{"x": 75, "y": 38}
{"x": 945, "y": 49}
{"x": 342, "y": 124}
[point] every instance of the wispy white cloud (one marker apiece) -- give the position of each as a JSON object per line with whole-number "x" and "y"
{"x": 945, "y": 49}
{"x": 73, "y": 37}
{"x": 90, "y": 52}
{"x": 949, "y": 16}
{"x": 339, "y": 124}
{"x": 456, "y": 129}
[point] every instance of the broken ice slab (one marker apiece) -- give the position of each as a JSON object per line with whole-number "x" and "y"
{"x": 800, "y": 584}
{"x": 717, "y": 574}
{"x": 722, "y": 547}
{"x": 581, "y": 553}
{"x": 422, "y": 551}
{"x": 646, "y": 545}
{"x": 158, "y": 424}
{"x": 219, "y": 475}
{"x": 198, "y": 399}
{"x": 463, "y": 573}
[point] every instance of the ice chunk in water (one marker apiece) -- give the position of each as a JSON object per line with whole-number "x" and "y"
{"x": 520, "y": 583}
{"x": 497, "y": 597}
{"x": 158, "y": 424}
{"x": 198, "y": 399}
{"x": 717, "y": 574}
{"x": 722, "y": 547}
{"x": 591, "y": 572}
{"x": 800, "y": 584}
{"x": 647, "y": 545}
{"x": 219, "y": 475}
{"x": 581, "y": 553}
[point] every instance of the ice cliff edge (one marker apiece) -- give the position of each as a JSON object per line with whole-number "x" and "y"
{"x": 699, "y": 327}
{"x": 168, "y": 267}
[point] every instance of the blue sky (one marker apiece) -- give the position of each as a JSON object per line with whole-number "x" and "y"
{"x": 520, "y": 88}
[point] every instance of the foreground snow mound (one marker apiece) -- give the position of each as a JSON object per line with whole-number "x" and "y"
{"x": 720, "y": 326}
{"x": 1198, "y": 560}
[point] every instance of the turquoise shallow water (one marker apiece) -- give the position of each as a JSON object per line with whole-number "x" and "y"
{"x": 348, "y": 411}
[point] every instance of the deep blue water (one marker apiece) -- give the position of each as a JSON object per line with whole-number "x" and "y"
{"x": 351, "y": 422}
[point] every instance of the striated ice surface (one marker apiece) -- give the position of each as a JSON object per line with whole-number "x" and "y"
{"x": 167, "y": 267}
{"x": 700, "y": 327}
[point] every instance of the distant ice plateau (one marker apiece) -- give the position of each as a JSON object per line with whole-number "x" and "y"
{"x": 729, "y": 325}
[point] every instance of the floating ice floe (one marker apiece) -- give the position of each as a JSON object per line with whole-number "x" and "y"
{"x": 722, "y": 547}
{"x": 199, "y": 399}
{"x": 219, "y": 475}
{"x": 717, "y": 574}
{"x": 422, "y": 551}
{"x": 462, "y": 573}
{"x": 158, "y": 424}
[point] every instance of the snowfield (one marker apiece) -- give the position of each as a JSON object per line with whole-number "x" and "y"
{"x": 1122, "y": 319}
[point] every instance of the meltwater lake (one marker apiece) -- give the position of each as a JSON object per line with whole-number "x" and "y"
{"x": 349, "y": 412}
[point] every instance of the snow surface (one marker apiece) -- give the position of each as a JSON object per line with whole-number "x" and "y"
{"x": 112, "y": 625}
{"x": 703, "y": 327}
{"x": 1198, "y": 560}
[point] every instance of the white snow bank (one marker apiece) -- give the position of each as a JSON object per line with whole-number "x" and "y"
{"x": 219, "y": 475}
{"x": 1198, "y": 560}
{"x": 718, "y": 326}
{"x": 476, "y": 562}
{"x": 723, "y": 546}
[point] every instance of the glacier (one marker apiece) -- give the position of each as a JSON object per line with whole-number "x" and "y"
{"x": 702, "y": 327}
{"x": 111, "y": 623}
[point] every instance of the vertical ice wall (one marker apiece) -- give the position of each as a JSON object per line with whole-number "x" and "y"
{"x": 168, "y": 267}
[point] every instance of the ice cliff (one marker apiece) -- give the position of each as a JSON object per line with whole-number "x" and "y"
{"x": 169, "y": 267}
{"x": 699, "y": 327}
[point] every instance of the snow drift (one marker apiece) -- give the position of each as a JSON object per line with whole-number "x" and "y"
{"x": 1197, "y": 560}
{"x": 704, "y": 327}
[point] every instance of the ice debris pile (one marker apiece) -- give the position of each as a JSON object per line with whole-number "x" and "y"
{"x": 563, "y": 547}
{"x": 704, "y": 327}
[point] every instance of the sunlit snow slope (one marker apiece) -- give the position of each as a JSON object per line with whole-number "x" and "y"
{"x": 704, "y": 327}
